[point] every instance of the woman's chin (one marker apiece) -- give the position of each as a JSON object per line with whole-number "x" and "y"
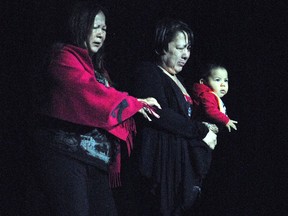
{"x": 94, "y": 50}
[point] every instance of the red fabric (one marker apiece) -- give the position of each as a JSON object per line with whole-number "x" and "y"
{"x": 188, "y": 99}
{"x": 206, "y": 105}
{"x": 79, "y": 98}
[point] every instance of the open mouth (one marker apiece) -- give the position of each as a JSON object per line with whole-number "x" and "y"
{"x": 97, "y": 44}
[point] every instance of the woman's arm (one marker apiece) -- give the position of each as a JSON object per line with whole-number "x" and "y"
{"x": 79, "y": 98}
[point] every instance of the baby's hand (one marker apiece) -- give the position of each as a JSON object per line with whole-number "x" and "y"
{"x": 231, "y": 124}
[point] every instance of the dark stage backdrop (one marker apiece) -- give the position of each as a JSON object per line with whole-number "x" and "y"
{"x": 248, "y": 173}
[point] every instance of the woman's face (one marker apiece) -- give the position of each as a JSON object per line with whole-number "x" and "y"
{"x": 177, "y": 54}
{"x": 97, "y": 36}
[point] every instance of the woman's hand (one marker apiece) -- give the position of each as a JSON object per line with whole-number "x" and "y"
{"x": 210, "y": 139}
{"x": 211, "y": 127}
{"x": 148, "y": 107}
{"x": 150, "y": 101}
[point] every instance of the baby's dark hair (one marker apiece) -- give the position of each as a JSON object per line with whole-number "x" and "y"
{"x": 206, "y": 70}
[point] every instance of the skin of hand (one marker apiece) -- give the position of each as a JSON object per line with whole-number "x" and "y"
{"x": 231, "y": 124}
{"x": 211, "y": 127}
{"x": 210, "y": 139}
{"x": 145, "y": 110}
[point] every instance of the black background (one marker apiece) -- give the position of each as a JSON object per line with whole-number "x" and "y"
{"x": 247, "y": 176}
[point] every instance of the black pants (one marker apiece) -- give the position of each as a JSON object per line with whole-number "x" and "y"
{"x": 73, "y": 188}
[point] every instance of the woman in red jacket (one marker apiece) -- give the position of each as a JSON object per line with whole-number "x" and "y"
{"x": 79, "y": 129}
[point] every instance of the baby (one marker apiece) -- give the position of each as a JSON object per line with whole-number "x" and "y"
{"x": 207, "y": 104}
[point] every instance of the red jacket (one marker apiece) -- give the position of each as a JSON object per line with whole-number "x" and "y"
{"x": 79, "y": 98}
{"x": 206, "y": 106}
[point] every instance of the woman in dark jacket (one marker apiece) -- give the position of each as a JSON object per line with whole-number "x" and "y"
{"x": 174, "y": 151}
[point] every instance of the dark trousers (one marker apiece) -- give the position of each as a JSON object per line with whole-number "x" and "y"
{"x": 72, "y": 187}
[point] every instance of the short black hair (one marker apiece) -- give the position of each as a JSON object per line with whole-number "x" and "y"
{"x": 166, "y": 30}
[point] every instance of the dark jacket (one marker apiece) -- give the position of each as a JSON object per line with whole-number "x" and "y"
{"x": 168, "y": 145}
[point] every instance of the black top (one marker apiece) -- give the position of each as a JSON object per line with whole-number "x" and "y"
{"x": 172, "y": 153}
{"x": 150, "y": 81}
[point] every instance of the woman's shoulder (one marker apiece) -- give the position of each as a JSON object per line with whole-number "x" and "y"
{"x": 62, "y": 48}
{"x": 146, "y": 73}
{"x": 68, "y": 54}
{"x": 74, "y": 50}
{"x": 146, "y": 65}
{"x": 147, "y": 68}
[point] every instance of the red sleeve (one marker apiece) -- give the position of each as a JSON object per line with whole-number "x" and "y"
{"x": 79, "y": 98}
{"x": 211, "y": 110}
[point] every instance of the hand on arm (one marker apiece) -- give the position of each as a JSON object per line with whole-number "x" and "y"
{"x": 210, "y": 139}
{"x": 148, "y": 107}
{"x": 231, "y": 124}
{"x": 211, "y": 127}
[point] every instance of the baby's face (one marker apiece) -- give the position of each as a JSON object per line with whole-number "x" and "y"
{"x": 218, "y": 81}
